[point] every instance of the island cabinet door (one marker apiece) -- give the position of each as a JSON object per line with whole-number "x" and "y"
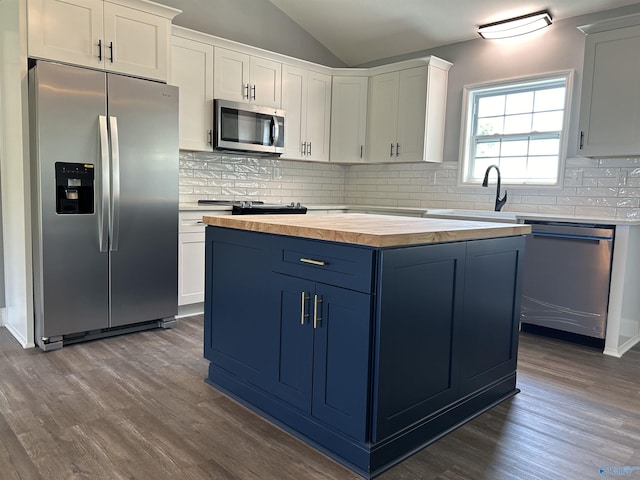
{"x": 341, "y": 358}
{"x": 323, "y": 352}
{"x": 419, "y": 304}
{"x": 489, "y": 335}
{"x": 293, "y": 377}
{"x": 239, "y": 336}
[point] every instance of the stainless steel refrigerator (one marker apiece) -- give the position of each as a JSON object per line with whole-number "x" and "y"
{"x": 104, "y": 173}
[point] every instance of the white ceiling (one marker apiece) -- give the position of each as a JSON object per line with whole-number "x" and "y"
{"x": 359, "y": 31}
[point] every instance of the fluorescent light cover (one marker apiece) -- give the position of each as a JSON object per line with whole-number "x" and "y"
{"x": 515, "y": 26}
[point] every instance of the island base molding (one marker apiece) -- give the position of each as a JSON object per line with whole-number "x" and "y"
{"x": 366, "y": 459}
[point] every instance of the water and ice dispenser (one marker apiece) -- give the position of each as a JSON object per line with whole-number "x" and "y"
{"x": 74, "y": 188}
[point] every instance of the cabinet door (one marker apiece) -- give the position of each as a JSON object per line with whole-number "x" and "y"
{"x": 241, "y": 333}
{"x": 136, "y": 42}
{"x": 67, "y": 31}
{"x": 231, "y": 75}
{"x": 293, "y": 380}
{"x": 420, "y": 304}
{"x": 265, "y": 82}
{"x": 348, "y": 119}
{"x": 190, "y": 268}
{"x": 341, "y": 358}
{"x": 488, "y": 345}
{"x": 318, "y": 119}
{"x": 610, "y": 104}
{"x": 192, "y": 72}
{"x": 293, "y": 95}
{"x": 412, "y": 100}
{"x": 382, "y": 120}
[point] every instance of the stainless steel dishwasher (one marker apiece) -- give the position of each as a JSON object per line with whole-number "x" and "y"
{"x": 566, "y": 277}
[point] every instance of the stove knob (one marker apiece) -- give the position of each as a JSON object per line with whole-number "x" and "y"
{"x": 298, "y": 205}
{"x": 292, "y": 205}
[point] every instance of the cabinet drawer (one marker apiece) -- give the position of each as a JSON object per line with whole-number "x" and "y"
{"x": 191, "y": 221}
{"x": 340, "y": 265}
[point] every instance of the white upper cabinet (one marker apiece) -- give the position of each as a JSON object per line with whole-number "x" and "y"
{"x": 407, "y": 113}
{"x": 610, "y": 104}
{"x": 348, "y": 119}
{"x": 383, "y": 117}
{"x": 127, "y": 36}
{"x": 306, "y": 100}
{"x": 192, "y": 71}
{"x": 245, "y": 78}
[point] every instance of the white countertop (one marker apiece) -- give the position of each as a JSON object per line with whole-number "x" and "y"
{"x": 451, "y": 213}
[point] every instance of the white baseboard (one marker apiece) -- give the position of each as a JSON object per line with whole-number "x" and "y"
{"x": 191, "y": 309}
{"x": 18, "y": 336}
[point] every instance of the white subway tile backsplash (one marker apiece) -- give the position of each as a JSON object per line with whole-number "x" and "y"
{"x": 601, "y": 187}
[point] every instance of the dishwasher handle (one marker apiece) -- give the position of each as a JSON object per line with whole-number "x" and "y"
{"x": 577, "y": 231}
{"x": 568, "y": 236}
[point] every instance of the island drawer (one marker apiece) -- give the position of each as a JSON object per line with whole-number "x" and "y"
{"x": 334, "y": 264}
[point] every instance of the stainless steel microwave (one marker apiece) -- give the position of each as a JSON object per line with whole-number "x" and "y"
{"x": 244, "y": 127}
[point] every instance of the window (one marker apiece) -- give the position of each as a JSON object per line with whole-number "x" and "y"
{"x": 520, "y": 126}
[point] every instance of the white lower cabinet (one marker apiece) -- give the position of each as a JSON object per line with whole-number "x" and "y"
{"x": 191, "y": 268}
{"x": 191, "y": 232}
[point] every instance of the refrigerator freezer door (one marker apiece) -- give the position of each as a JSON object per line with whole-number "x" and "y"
{"x": 70, "y": 272}
{"x": 144, "y": 239}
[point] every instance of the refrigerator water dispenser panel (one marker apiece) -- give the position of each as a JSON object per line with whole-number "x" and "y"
{"x": 74, "y": 188}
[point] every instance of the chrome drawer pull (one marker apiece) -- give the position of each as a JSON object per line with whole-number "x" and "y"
{"x": 302, "y": 314}
{"x": 313, "y": 262}
{"x": 316, "y": 318}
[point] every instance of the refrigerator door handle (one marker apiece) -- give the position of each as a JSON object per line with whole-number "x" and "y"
{"x": 103, "y": 219}
{"x": 115, "y": 184}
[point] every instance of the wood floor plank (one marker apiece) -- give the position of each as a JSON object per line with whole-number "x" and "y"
{"x": 136, "y": 407}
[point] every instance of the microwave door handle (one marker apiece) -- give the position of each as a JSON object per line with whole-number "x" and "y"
{"x": 275, "y": 130}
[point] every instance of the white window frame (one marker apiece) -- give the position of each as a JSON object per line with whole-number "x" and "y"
{"x": 466, "y": 128}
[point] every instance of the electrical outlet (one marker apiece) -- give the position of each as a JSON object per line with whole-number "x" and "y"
{"x": 576, "y": 177}
{"x": 431, "y": 178}
{"x": 277, "y": 173}
{"x": 622, "y": 178}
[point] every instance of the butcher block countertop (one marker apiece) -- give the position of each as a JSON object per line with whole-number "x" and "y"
{"x": 369, "y": 230}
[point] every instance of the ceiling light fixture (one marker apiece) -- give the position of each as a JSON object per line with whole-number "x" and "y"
{"x": 515, "y": 26}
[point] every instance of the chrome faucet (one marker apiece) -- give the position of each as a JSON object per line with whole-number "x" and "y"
{"x": 499, "y": 201}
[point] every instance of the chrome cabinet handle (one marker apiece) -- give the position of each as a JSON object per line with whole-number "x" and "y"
{"x": 397, "y": 149}
{"x": 303, "y": 315}
{"x": 304, "y": 148}
{"x": 246, "y": 94}
{"x": 210, "y": 134}
{"x": 111, "y": 52}
{"x": 309, "y": 149}
{"x": 276, "y": 130}
{"x": 316, "y": 318}
{"x": 253, "y": 90}
{"x": 313, "y": 262}
{"x": 361, "y": 150}
{"x": 99, "y": 50}
{"x": 391, "y": 152}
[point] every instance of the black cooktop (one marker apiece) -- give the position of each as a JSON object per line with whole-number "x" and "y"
{"x": 257, "y": 207}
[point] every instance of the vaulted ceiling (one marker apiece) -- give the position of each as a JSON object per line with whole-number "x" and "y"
{"x": 360, "y": 31}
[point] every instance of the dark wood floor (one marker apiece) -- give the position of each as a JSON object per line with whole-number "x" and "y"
{"x": 136, "y": 407}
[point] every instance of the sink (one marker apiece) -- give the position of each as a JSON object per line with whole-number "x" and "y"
{"x": 480, "y": 215}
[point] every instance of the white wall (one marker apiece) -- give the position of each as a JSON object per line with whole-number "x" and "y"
{"x": 256, "y": 23}
{"x": 14, "y": 166}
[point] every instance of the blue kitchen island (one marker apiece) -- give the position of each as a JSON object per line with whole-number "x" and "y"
{"x": 366, "y": 336}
